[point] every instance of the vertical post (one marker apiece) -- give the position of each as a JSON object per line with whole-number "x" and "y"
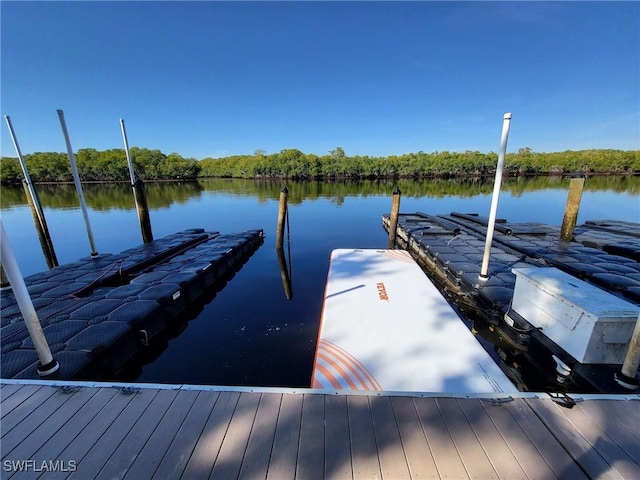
{"x": 43, "y": 235}
{"x": 484, "y": 271}
{"x": 4, "y": 281}
{"x": 34, "y": 203}
{"x": 572, "y": 207}
{"x": 282, "y": 213}
{"x": 628, "y": 374}
{"x": 48, "y": 364}
{"x": 76, "y": 180}
{"x": 393, "y": 218}
{"x": 139, "y": 194}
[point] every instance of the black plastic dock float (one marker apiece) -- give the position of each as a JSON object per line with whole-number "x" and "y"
{"x": 451, "y": 248}
{"x": 97, "y": 313}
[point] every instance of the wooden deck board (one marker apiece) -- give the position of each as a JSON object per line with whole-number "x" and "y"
{"x": 416, "y": 449}
{"x": 526, "y": 454}
{"x": 30, "y": 438}
{"x": 500, "y": 455}
{"x": 628, "y": 410}
{"x": 173, "y": 433}
{"x": 364, "y": 453}
{"x": 445, "y": 454}
{"x": 311, "y": 446}
{"x": 475, "y": 460}
{"x": 580, "y": 449}
{"x": 624, "y": 431}
{"x": 599, "y": 438}
{"x": 151, "y": 455}
{"x": 235, "y": 442}
{"x": 284, "y": 454}
{"x": 23, "y": 403}
{"x": 183, "y": 443}
{"x": 7, "y": 391}
{"x": 393, "y": 462}
{"x": 258, "y": 453}
{"x": 208, "y": 445}
{"x": 32, "y": 419}
{"x": 95, "y": 444}
{"x": 55, "y": 445}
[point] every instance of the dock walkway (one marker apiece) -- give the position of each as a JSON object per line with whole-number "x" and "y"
{"x": 183, "y": 432}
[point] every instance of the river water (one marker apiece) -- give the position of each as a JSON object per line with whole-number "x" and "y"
{"x": 250, "y": 333}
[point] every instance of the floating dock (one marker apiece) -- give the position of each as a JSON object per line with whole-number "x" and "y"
{"x": 101, "y": 431}
{"x": 96, "y": 313}
{"x": 385, "y": 326}
{"x": 450, "y": 248}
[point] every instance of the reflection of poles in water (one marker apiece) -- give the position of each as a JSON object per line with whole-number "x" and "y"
{"x": 76, "y": 181}
{"x": 393, "y": 218}
{"x": 283, "y": 218}
{"x": 139, "y": 194}
{"x": 34, "y": 204}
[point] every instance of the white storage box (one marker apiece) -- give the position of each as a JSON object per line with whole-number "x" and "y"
{"x": 592, "y": 325}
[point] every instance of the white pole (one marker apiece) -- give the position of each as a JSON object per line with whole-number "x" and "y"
{"x": 48, "y": 364}
{"x": 494, "y": 199}
{"x": 25, "y": 172}
{"x": 76, "y": 180}
{"x": 126, "y": 149}
{"x": 628, "y": 376}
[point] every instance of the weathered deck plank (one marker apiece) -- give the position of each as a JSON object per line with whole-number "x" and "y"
{"x": 258, "y": 453}
{"x": 416, "y": 449}
{"x": 445, "y": 454}
{"x": 284, "y": 454}
{"x": 311, "y": 447}
{"x": 364, "y": 453}
{"x": 151, "y": 455}
{"x": 17, "y": 398}
{"x": 178, "y": 433}
{"x": 583, "y": 452}
{"x": 235, "y": 442}
{"x": 392, "y": 460}
{"x": 208, "y": 445}
{"x": 496, "y": 449}
{"x": 468, "y": 446}
{"x": 183, "y": 443}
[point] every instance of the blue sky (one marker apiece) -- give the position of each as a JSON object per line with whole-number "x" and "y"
{"x": 221, "y": 78}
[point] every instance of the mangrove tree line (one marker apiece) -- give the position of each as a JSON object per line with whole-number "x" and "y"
{"x": 111, "y": 165}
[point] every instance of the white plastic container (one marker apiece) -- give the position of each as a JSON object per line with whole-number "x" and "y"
{"x": 589, "y": 323}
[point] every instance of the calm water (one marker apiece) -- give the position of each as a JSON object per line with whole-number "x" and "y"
{"x": 250, "y": 333}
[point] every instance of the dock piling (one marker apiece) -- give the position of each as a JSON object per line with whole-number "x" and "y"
{"x": 76, "y": 180}
{"x": 484, "y": 271}
{"x": 628, "y": 376}
{"x": 572, "y": 207}
{"x": 139, "y": 193}
{"x": 48, "y": 364}
{"x": 34, "y": 203}
{"x": 285, "y": 273}
{"x": 282, "y": 215}
{"x": 393, "y": 219}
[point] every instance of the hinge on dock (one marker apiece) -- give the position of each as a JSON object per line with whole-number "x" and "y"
{"x": 68, "y": 389}
{"x": 563, "y": 399}
{"x": 128, "y": 390}
{"x": 497, "y": 401}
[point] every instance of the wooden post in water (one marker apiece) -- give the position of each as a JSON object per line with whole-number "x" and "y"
{"x": 4, "y": 281}
{"x": 282, "y": 216}
{"x": 393, "y": 218}
{"x": 42, "y": 230}
{"x": 628, "y": 375}
{"x": 34, "y": 203}
{"x": 48, "y": 364}
{"x": 572, "y": 207}
{"x": 139, "y": 194}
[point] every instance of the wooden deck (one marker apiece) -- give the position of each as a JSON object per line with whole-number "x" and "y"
{"x": 197, "y": 432}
